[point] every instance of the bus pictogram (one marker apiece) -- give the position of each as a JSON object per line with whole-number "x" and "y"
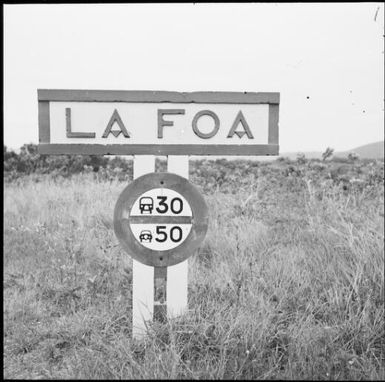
{"x": 146, "y": 205}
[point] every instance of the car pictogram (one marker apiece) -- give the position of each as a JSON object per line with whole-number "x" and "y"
{"x": 145, "y": 236}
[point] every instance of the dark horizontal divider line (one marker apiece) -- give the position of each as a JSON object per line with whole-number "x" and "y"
{"x": 160, "y": 219}
{"x": 77, "y": 95}
{"x": 156, "y": 149}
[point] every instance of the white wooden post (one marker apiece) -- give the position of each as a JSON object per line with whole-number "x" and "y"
{"x": 142, "y": 275}
{"x": 177, "y": 274}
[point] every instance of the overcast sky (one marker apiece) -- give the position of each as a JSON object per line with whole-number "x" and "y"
{"x": 326, "y": 60}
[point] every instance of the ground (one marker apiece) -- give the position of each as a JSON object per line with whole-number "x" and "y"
{"x": 289, "y": 283}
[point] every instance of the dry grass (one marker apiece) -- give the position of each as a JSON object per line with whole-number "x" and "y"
{"x": 289, "y": 284}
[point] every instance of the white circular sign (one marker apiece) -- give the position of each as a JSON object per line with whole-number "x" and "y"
{"x": 161, "y": 219}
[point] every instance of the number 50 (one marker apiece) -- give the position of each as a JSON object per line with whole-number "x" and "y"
{"x": 176, "y": 234}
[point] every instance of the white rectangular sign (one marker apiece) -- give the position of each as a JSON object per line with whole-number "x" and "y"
{"x": 163, "y": 123}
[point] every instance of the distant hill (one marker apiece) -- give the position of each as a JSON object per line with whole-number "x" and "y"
{"x": 370, "y": 151}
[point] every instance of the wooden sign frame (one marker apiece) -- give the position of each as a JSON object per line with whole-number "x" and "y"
{"x": 122, "y": 219}
{"x": 45, "y": 96}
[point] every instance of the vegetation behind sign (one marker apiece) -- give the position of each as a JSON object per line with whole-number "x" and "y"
{"x": 295, "y": 249}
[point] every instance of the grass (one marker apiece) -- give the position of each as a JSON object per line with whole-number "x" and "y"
{"x": 289, "y": 283}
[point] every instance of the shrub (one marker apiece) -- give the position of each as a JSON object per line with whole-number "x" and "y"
{"x": 328, "y": 153}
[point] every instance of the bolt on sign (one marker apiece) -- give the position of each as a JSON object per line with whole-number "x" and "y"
{"x": 160, "y": 219}
{"x": 157, "y": 123}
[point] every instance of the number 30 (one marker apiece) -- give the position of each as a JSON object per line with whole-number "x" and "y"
{"x": 163, "y": 204}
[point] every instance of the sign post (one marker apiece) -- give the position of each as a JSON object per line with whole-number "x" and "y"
{"x": 145, "y": 124}
{"x": 177, "y": 281}
{"x": 142, "y": 274}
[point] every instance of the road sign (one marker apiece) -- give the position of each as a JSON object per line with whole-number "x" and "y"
{"x": 157, "y": 122}
{"x": 160, "y": 219}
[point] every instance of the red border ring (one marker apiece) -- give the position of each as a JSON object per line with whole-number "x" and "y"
{"x": 122, "y": 219}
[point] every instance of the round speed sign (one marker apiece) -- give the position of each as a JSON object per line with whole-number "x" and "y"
{"x": 160, "y": 219}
